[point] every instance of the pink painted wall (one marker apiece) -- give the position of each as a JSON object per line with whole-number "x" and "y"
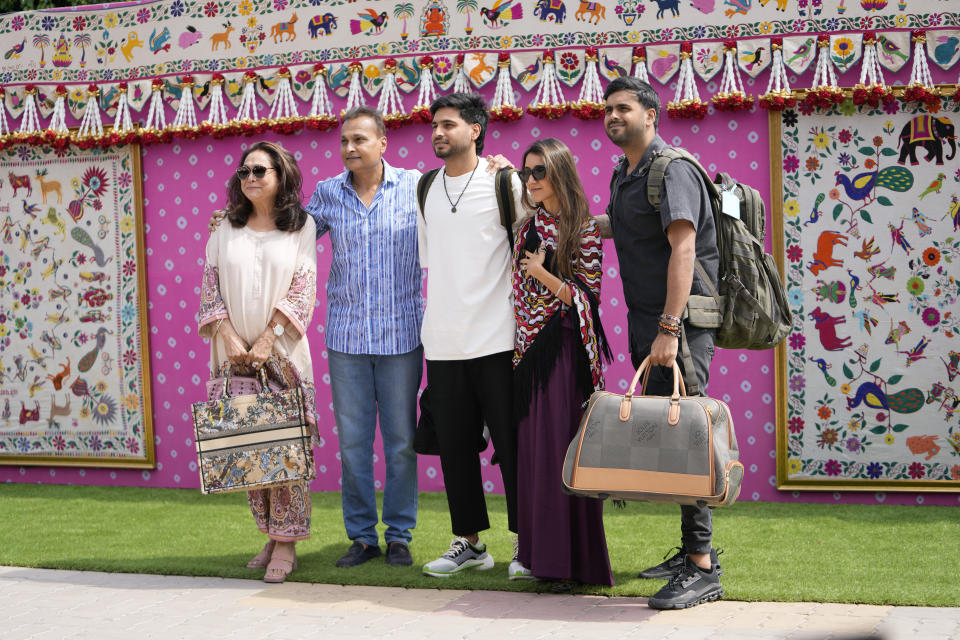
{"x": 184, "y": 182}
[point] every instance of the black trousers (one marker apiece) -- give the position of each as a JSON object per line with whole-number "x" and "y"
{"x": 696, "y": 523}
{"x": 465, "y": 394}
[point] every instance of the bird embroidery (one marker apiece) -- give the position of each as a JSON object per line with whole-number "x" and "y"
{"x": 935, "y": 186}
{"x": 750, "y": 59}
{"x": 370, "y": 22}
{"x": 501, "y": 11}
{"x": 31, "y": 209}
{"x": 867, "y": 249}
{"x": 823, "y": 365}
{"x": 614, "y": 70}
{"x": 15, "y": 50}
{"x": 916, "y": 353}
{"x": 530, "y": 73}
{"x": 867, "y": 322}
{"x": 890, "y": 51}
{"x": 801, "y": 52}
{"x": 815, "y": 214}
{"x": 862, "y": 186}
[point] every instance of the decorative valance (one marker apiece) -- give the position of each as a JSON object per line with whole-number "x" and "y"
{"x": 197, "y": 67}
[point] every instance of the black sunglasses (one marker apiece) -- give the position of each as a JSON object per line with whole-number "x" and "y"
{"x": 538, "y": 172}
{"x": 258, "y": 171}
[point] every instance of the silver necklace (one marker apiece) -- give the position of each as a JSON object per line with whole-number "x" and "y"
{"x": 453, "y": 205}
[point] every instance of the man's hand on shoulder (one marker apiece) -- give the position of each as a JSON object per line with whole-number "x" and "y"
{"x": 603, "y": 223}
{"x": 497, "y": 162}
{"x": 216, "y": 219}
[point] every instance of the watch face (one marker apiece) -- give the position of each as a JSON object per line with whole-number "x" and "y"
{"x": 278, "y": 330}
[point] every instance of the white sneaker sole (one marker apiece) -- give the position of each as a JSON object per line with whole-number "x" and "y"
{"x": 478, "y": 564}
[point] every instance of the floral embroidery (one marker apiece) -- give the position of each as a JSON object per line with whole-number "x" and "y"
{"x": 211, "y": 303}
{"x": 297, "y": 305}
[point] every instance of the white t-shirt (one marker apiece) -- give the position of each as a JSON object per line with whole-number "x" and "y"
{"x": 468, "y": 259}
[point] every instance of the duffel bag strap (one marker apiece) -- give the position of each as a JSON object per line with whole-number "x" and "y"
{"x": 689, "y": 371}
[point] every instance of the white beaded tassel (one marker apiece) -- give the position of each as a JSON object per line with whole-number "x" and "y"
{"x": 590, "y": 90}
{"x": 121, "y": 121}
{"x": 779, "y": 83}
{"x": 871, "y": 73}
{"x": 186, "y": 112}
{"x": 920, "y": 73}
{"x": 355, "y": 93}
{"x": 283, "y": 105}
{"x": 4, "y": 127}
{"x": 503, "y": 95}
{"x": 248, "y": 101}
{"x": 686, "y": 86}
{"x": 90, "y": 124}
{"x": 428, "y": 86}
{"x": 824, "y": 76}
{"x": 216, "y": 112}
{"x": 58, "y": 121}
{"x": 461, "y": 84}
{"x": 390, "y": 104}
{"x": 320, "y": 105}
{"x": 30, "y": 120}
{"x": 731, "y": 81}
{"x": 640, "y": 64}
{"x": 549, "y": 94}
{"x": 155, "y": 116}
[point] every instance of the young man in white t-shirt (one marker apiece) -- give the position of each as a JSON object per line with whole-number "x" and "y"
{"x": 468, "y": 327}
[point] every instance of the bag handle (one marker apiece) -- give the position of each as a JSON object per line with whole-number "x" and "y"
{"x": 261, "y": 376}
{"x": 673, "y": 413}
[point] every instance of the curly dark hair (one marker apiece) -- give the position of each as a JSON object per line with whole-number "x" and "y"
{"x": 289, "y": 214}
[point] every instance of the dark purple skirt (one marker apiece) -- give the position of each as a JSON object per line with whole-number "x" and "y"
{"x": 561, "y": 536}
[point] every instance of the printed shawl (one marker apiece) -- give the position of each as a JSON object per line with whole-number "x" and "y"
{"x": 539, "y": 312}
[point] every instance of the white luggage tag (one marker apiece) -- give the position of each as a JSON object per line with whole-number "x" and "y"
{"x": 729, "y": 202}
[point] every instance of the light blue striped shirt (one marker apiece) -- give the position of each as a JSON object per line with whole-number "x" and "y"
{"x": 375, "y": 289}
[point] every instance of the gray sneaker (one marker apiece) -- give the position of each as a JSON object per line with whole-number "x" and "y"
{"x": 461, "y": 555}
{"x": 673, "y": 565}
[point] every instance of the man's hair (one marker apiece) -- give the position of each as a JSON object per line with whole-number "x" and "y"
{"x": 645, "y": 94}
{"x": 364, "y": 111}
{"x": 472, "y": 109}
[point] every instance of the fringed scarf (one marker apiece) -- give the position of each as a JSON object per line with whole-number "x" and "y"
{"x": 539, "y": 313}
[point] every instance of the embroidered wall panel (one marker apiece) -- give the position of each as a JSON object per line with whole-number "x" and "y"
{"x": 871, "y": 228}
{"x": 74, "y": 386}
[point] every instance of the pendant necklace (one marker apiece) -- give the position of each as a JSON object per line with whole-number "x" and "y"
{"x": 453, "y": 205}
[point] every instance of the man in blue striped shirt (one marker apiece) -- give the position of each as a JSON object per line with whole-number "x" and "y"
{"x": 374, "y": 313}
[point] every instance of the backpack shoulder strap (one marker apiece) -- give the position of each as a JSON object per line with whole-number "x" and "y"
{"x": 658, "y": 169}
{"x": 423, "y": 186}
{"x": 505, "y": 203}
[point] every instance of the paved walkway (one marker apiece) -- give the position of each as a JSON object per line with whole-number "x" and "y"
{"x": 43, "y": 604}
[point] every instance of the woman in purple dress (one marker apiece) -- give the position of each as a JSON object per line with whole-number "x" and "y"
{"x": 557, "y": 271}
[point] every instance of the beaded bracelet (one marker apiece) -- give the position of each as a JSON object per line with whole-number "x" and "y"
{"x": 668, "y": 330}
{"x": 671, "y": 320}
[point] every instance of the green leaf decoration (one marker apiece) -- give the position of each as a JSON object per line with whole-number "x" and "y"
{"x": 894, "y": 379}
{"x": 874, "y": 365}
{"x": 887, "y": 151}
{"x": 846, "y": 371}
{"x": 867, "y": 151}
{"x": 837, "y": 210}
{"x": 899, "y": 427}
{"x": 878, "y": 430}
{"x": 866, "y": 216}
{"x": 885, "y": 201}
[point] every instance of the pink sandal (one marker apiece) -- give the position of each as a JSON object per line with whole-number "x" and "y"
{"x": 279, "y": 569}
{"x": 262, "y": 559}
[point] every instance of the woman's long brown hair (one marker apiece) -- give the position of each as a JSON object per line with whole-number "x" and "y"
{"x": 289, "y": 214}
{"x": 574, "y": 210}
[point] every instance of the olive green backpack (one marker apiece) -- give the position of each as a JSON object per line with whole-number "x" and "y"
{"x": 750, "y": 310}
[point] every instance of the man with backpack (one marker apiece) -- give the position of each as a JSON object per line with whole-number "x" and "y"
{"x": 657, "y": 247}
{"x": 465, "y": 238}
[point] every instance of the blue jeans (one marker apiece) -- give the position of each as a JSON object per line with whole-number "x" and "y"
{"x": 363, "y": 386}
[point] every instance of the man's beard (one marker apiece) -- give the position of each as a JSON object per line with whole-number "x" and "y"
{"x": 452, "y": 149}
{"x": 623, "y": 136}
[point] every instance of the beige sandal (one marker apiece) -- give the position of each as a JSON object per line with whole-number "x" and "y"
{"x": 279, "y": 569}
{"x": 262, "y": 559}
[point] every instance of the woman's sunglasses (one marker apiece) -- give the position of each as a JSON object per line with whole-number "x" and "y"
{"x": 258, "y": 171}
{"x": 538, "y": 172}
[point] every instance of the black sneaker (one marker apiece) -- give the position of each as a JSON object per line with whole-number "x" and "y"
{"x": 672, "y": 565}
{"x": 358, "y": 553}
{"x": 690, "y": 587}
{"x": 398, "y": 554}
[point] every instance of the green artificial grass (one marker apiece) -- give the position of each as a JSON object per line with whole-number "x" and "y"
{"x": 875, "y": 554}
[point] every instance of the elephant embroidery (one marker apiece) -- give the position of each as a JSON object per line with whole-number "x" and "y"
{"x": 928, "y": 132}
{"x": 550, "y": 11}
{"x": 325, "y": 23}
